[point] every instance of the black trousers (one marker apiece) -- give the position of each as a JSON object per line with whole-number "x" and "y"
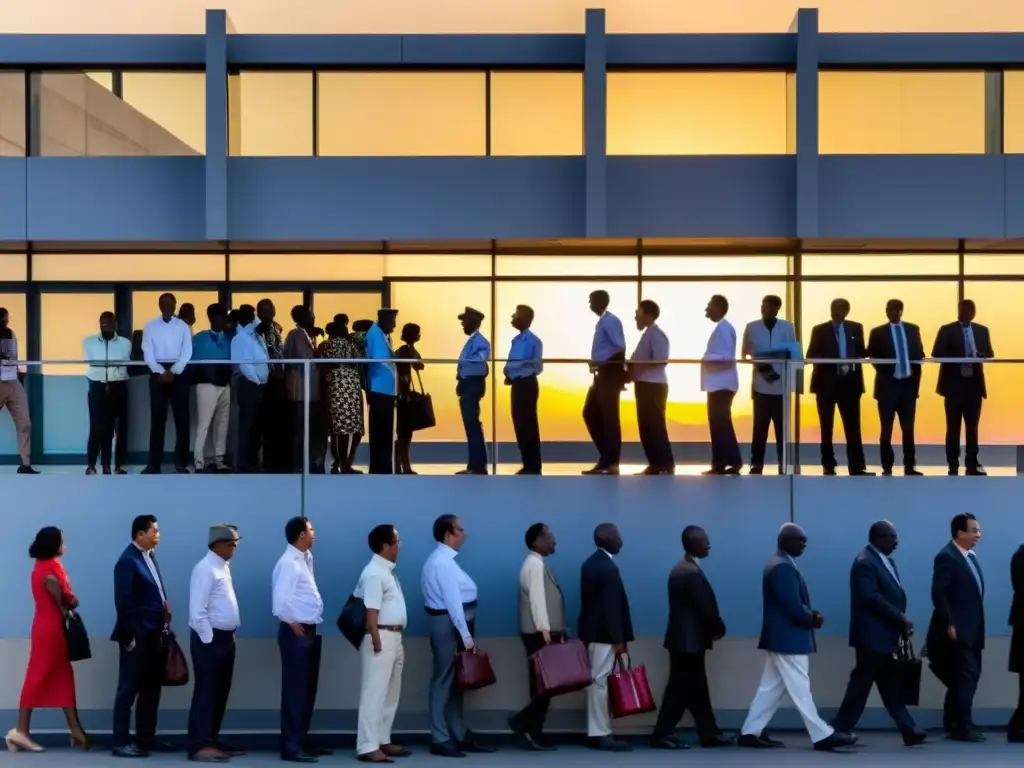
{"x": 531, "y": 717}
{"x": 968, "y": 410}
{"x": 898, "y": 401}
{"x": 872, "y": 669}
{"x": 300, "y": 675}
{"x": 961, "y": 681}
{"x": 250, "y": 424}
{"x": 651, "y": 399}
{"x": 846, "y": 398}
{"x": 315, "y": 431}
{"x": 470, "y": 391}
{"x": 525, "y": 393}
{"x": 1016, "y": 725}
{"x": 275, "y": 422}
{"x": 687, "y": 689}
{"x": 382, "y": 432}
{"x": 767, "y": 412}
{"x": 725, "y": 449}
{"x": 601, "y": 415}
{"x": 108, "y": 415}
{"x": 163, "y": 396}
{"x": 213, "y": 666}
{"x": 139, "y": 680}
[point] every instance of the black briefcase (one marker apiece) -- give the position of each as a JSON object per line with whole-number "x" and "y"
{"x": 907, "y": 672}
{"x": 416, "y": 409}
{"x": 352, "y": 620}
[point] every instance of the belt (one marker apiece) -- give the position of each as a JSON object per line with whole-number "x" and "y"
{"x": 442, "y": 612}
{"x": 391, "y": 628}
{"x": 311, "y": 627}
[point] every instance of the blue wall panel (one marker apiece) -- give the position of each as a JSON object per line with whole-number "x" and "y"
{"x": 13, "y": 210}
{"x": 1014, "y": 197}
{"x": 697, "y": 50}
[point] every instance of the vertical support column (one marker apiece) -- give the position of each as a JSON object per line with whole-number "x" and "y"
{"x": 994, "y": 112}
{"x": 216, "y": 125}
{"x": 805, "y": 24}
{"x": 595, "y": 125}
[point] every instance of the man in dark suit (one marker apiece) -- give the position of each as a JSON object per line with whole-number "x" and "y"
{"x": 1015, "y": 728}
{"x": 839, "y": 386}
{"x": 787, "y": 634}
{"x": 956, "y": 635}
{"x": 694, "y": 623}
{"x": 605, "y": 627}
{"x": 963, "y": 385}
{"x": 878, "y": 620}
{"x": 142, "y": 614}
{"x": 897, "y": 385}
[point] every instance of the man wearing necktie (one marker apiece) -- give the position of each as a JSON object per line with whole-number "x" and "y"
{"x": 962, "y": 385}
{"x": 956, "y": 635}
{"x": 897, "y": 386}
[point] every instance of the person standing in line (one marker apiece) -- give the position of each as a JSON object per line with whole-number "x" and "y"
{"x": 276, "y": 416}
{"x": 300, "y": 344}
{"x": 213, "y": 390}
{"x": 651, "y": 389}
{"x": 541, "y": 622}
{"x": 381, "y": 653}
{"x": 839, "y": 386}
{"x": 601, "y": 409}
{"x": 1015, "y": 728}
{"x": 381, "y": 392}
{"x": 344, "y": 394}
{"x": 719, "y": 378}
{"x": 143, "y": 613}
{"x": 787, "y": 635}
{"x": 12, "y": 393}
{"x": 213, "y": 617}
{"x": 471, "y": 375}
{"x": 403, "y": 430}
{"x": 525, "y": 364}
{"x": 167, "y": 349}
{"x": 249, "y": 352}
{"x": 694, "y": 625}
{"x": 187, "y": 315}
{"x": 878, "y": 623}
{"x": 769, "y": 379}
{"x": 962, "y": 386}
{"x": 108, "y": 396}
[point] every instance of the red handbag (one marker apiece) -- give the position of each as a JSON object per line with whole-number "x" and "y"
{"x": 473, "y": 670}
{"x": 561, "y": 668}
{"x": 629, "y": 693}
{"x": 176, "y": 668}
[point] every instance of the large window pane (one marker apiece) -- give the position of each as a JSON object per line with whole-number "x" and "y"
{"x": 13, "y": 267}
{"x": 714, "y": 266}
{"x": 14, "y": 303}
{"x": 128, "y": 267}
{"x": 887, "y": 264}
{"x": 1013, "y": 111}
{"x": 881, "y": 113}
{"x": 12, "y": 114}
{"x": 697, "y": 113}
{"x": 434, "y": 265}
{"x": 994, "y": 264}
{"x": 307, "y": 266}
{"x": 171, "y": 104}
{"x": 358, "y": 306}
{"x": 567, "y": 266}
{"x": 402, "y": 113}
{"x": 536, "y": 113}
{"x": 272, "y": 113}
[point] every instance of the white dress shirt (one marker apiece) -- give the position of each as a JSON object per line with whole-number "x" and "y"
{"x": 446, "y": 587}
{"x": 531, "y": 579}
{"x": 167, "y": 341}
{"x": 102, "y": 352}
{"x": 653, "y": 345}
{"x": 296, "y": 600}
{"x": 718, "y": 369}
{"x": 211, "y": 598}
{"x": 380, "y": 591}
{"x": 147, "y": 557}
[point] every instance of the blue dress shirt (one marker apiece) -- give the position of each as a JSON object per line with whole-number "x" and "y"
{"x": 381, "y": 376}
{"x": 249, "y": 350}
{"x": 609, "y": 339}
{"x": 446, "y": 587}
{"x": 525, "y": 357}
{"x": 474, "y": 356}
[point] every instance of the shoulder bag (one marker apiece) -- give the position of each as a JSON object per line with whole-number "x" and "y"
{"x": 76, "y": 637}
{"x": 416, "y": 409}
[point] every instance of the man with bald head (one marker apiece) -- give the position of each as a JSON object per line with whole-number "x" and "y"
{"x": 787, "y": 634}
{"x": 878, "y": 622}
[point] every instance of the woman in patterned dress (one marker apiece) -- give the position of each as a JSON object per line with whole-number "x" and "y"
{"x": 344, "y": 395}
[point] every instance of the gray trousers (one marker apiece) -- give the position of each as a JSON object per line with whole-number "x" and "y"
{"x": 446, "y": 719}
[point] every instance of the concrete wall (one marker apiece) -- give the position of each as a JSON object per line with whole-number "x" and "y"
{"x": 741, "y": 516}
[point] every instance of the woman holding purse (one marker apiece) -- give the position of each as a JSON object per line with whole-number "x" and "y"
{"x": 404, "y": 430}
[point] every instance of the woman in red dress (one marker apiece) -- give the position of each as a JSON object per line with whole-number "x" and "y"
{"x": 49, "y": 679}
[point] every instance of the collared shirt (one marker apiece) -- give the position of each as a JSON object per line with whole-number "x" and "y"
{"x": 9, "y": 371}
{"x": 247, "y": 345}
{"x": 653, "y": 345}
{"x": 899, "y": 343}
{"x": 381, "y": 376}
{"x": 296, "y": 599}
{"x": 147, "y": 557}
{"x": 210, "y": 345}
{"x": 760, "y": 340}
{"x": 446, "y": 587}
{"x": 888, "y": 564}
{"x": 609, "y": 338}
{"x": 167, "y": 341}
{"x": 380, "y": 591}
{"x": 531, "y": 579}
{"x": 718, "y": 369}
{"x": 971, "y": 559}
{"x": 474, "y": 356}
{"x": 211, "y": 598}
{"x": 117, "y": 349}
{"x": 525, "y": 356}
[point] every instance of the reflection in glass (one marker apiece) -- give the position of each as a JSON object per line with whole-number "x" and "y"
{"x": 536, "y": 113}
{"x": 273, "y": 112}
{"x": 123, "y": 267}
{"x": 12, "y": 114}
{"x": 170, "y": 109}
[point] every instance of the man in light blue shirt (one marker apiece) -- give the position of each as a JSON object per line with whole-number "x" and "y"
{"x": 471, "y": 375}
{"x": 601, "y": 409}
{"x": 525, "y": 363}
{"x": 249, "y": 352}
{"x": 381, "y": 394}
{"x": 108, "y": 395}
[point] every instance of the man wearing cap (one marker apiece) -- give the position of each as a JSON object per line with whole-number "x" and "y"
{"x": 381, "y": 392}
{"x": 471, "y": 375}
{"x": 213, "y": 617}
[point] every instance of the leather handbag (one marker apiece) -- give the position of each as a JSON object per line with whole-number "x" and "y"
{"x": 473, "y": 670}
{"x": 629, "y": 693}
{"x": 175, "y": 668}
{"x": 416, "y": 409}
{"x": 352, "y": 621}
{"x": 561, "y": 668}
{"x": 76, "y": 637}
{"x": 907, "y": 672}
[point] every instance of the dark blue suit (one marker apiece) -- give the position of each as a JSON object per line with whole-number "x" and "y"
{"x": 140, "y": 619}
{"x": 787, "y": 623}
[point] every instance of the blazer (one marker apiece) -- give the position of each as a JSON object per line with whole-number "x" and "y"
{"x": 880, "y": 345}
{"x": 825, "y": 378}
{"x": 137, "y": 602}
{"x": 693, "y": 618}
{"x": 956, "y": 601}
{"x": 877, "y": 604}
{"x": 604, "y": 609}
{"x": 950, "y": 342}
{"x": 787, "y": 622}
{"x": 1017, "y": 582}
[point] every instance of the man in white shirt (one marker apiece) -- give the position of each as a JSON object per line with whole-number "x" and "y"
{"x": 12, "y": 393}
{"x": 381, "y": 653}
{"x": 167, "y": 349}
{"x": 108, "y": 395}
{"x": 719, "y": 378}
{"x": 297, "y": 605}
{"x": 213, "y": 617}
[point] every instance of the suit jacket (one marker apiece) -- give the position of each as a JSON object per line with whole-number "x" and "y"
{"x": 877, "y": 604}
{"x": 787, "y": 623}
{"x": 604, "y": 609}
{"x": 1017, "y": 611}
{"x": 137, "y": 601}
{"x": 880, "y": 344}
{"x": 825, "y": 378}
{"x": 956, "y": 601}
{"x": 950, "y": 342}
{"x": 693, "y": 618}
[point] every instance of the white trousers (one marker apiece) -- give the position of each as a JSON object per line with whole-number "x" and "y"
{"x": 784, "y": 673}
{"x": 380, "y": 690}
{"x": 602, "y": 660}
{"x": 213, "y": 409}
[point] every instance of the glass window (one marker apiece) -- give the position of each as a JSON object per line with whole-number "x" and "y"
{"x": 402, "y": 113}
{"x": 309, "y": 267}
{"x": 435, "y": 265}
{"x": 358, "y": 306}
{"x": 14, "y": 303}
{"x": 713, "y": 266}
{"x": 272, "y": 113}
{"x": 12, "y": 114}
{"x": 1001, "y": 309}
{"x": 169, "y": 109}
{"x": 13, "y": 267}
{"x": 129, "y": 267}
{"x": 536, "y": 113}
{"x": 567, "y": 266}
{"x": 879, "y": 113}
{"x": 106, "y": 79}
{"x": 697, "y": 113}
{"x": 888, "y": 264}
{"x": 145, "y": 306}
{"x": 1013, "y": 111}
{"x": 994, "y": 264}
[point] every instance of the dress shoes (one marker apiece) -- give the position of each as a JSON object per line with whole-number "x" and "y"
{"x": 668, "y": 742}
{"x": 978, "y": 471}
{"x": 914, "y": 738}
{"x": 309, "y": 749}
{"x": 527, "y": 740}
{"x": 129, "y": 750}
{"x": 299, "y": 757}
{"x": 229, "y": 749}
{"x": 446, "y": 749}
{"x": 835, "y": 741}
{"x": 717, "y": 741}
{"x": 971, "y": 735}
{"x": 1015, "y": 737}
{"x": 157, "y": 746}
{"x": 861, "y": 473}
{"x": 608, "y": 744}
{"x": 601, "y": 471}
{"x": 911, "y": 472}
{"x": 753, "y": 741}
{"x": 472, "y": 744}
